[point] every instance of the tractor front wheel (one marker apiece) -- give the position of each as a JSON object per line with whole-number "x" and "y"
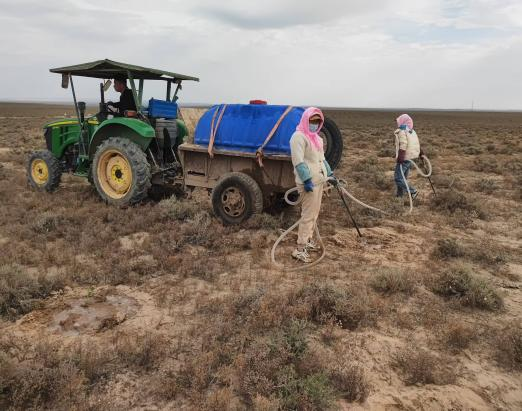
{"x": 236, "y": 197}
{"x": 121, "y": 172}
{"x": 44, "y": 171}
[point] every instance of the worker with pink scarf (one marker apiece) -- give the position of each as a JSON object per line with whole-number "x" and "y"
{"x": 408, "y": 148}
{"x": 311, "y": 172}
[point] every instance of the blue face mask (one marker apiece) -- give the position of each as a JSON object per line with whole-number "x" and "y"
{"x": 314, "y": 127}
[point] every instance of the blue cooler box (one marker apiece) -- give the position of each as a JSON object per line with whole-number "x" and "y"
{"x": 162, "y": 109}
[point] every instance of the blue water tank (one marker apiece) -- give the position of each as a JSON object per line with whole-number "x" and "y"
{"x": 244, "y": 127}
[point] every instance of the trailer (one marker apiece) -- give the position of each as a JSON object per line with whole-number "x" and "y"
{"x": 240, "y": 186}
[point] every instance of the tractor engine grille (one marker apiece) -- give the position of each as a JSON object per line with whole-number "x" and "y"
{"x": 166, "y": 136}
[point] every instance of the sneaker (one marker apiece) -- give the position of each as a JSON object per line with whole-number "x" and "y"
{"x": 312, "y": 246}
{"x": 301, "y": 255}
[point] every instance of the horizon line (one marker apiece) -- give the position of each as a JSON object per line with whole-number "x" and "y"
{"x": 204, "y": 105}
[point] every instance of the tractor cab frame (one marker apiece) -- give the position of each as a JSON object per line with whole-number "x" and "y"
{"x": 154, "y": 131}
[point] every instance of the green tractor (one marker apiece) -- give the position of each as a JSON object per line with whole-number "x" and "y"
{"x": 122, "y": 154}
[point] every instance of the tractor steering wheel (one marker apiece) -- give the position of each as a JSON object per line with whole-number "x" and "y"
{"x": 110, "y": 110}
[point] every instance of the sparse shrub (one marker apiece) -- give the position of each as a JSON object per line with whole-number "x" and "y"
{"x": 486, "y": 185}
{"x": 446, "y": 182}
{"x": 448, "y": 248}
{"x": 419, "y": 367}
{"x": 262, "y": 221}
{"x": 140, "y": 350}
{"x": 472, "y": 150}
{"x": 198, "y": 230}
{"x": 487, "y": 165}
{"x": 177, "y": 209}
{"x": 393, "y": 281}
{"x": 349, "y": 307}
{"x": 459, "y": 336}
{"x": 92, "y": 361}
{"x": 351, "y": 382}
{"x": 21, "y": 291}
{"x": 311, "y": 392}
{"x": 487, "y": 253}
{"x": 369, "y": 173}
{"x": 461, "y": 219}
{"x": 509, "y": 346}
{"x": 45, "y": 223}
{"x": 45, "y": 381}
{"x": 450, "y": 201}
{"x": 458, "y": 283}
{"x": 386, "y": 151}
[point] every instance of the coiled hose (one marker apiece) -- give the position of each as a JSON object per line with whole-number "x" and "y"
{"x": 342, "y": 184}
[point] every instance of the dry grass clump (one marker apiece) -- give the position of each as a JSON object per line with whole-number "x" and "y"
{"x": 448, "y": 248}
{"x": 262, "y": 221}
{"x": 486, "y": 185}
{"x": 459, "y": 336}
{"x": 485, "y": 253}
{"x": 487, "y": 164}
{"x": 46, "y": 222}
{"x": 44, "y": 380}
{"x": 391, "y": 281}
{"x": 140, "y": 350}
{"x": 49, "y": 376}
{"x": 348, "y": 307}
{"x": 419, "y": 367}
{"x": 257, "y": 347}
{"x": 176, "y": 209}
{"x": 21, "y": 292}
{"x": 351, "y": 382}
{"x": 368, "y": 173}
{"x": 508, "y": 344}
{"x": 451, "y": 201}
{"x": 460, "y": 284}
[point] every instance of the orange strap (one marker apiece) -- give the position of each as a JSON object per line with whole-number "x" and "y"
{"x": 259, "y": 151}
{"x": 213, "y": 130}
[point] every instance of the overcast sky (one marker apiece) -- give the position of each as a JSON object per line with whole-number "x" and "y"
{"x": 347, "y": 53}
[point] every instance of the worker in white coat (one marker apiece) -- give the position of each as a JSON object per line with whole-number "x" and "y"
{"x": 311, "y": 172}
{"x": 407, "y": 148}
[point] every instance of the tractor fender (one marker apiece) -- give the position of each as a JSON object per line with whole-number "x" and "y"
{"x": 135, "y": 130}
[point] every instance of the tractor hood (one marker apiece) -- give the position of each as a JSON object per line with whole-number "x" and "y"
{"x": 70, "y": 122}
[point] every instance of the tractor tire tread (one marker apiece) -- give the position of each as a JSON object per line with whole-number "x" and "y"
{"x": 54, "y": 168}
{"x": 139, "y": 164}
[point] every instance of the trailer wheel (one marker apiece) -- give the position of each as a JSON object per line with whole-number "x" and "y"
{"x": 44, "y": 171}
{"x": 236, "y": 197}
{"x": 333, "y": 140}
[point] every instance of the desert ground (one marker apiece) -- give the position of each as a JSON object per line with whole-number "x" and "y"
{"x": 161, "y": 307}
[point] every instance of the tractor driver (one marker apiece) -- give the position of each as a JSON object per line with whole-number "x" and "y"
{"x": 126, "y": 102}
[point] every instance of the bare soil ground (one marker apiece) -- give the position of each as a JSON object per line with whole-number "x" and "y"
{"x": 159, "y": 306}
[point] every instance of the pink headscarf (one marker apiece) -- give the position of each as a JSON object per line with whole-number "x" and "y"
{"x": 405, "y": 120}
{"x": 304, "y": 127}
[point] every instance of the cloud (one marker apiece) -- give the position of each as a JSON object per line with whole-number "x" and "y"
{"x": 436, "y": 53}
{"x": 273, "y": 14}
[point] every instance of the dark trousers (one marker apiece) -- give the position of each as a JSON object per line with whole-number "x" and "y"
{"x": 399, "y": 182}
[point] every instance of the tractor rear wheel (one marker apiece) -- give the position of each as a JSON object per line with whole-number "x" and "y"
{"x": 236, "y": 197}
{"x": 333, "y": 142}
{"x": 44, "y": 171}
{"x": 121, "y": 172}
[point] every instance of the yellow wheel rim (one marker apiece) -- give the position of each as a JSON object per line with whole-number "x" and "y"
{"x": 114, "y": 174}
{"x": 39, "y": 172}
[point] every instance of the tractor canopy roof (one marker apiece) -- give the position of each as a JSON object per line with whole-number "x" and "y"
{"x": 106, "y": 69}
